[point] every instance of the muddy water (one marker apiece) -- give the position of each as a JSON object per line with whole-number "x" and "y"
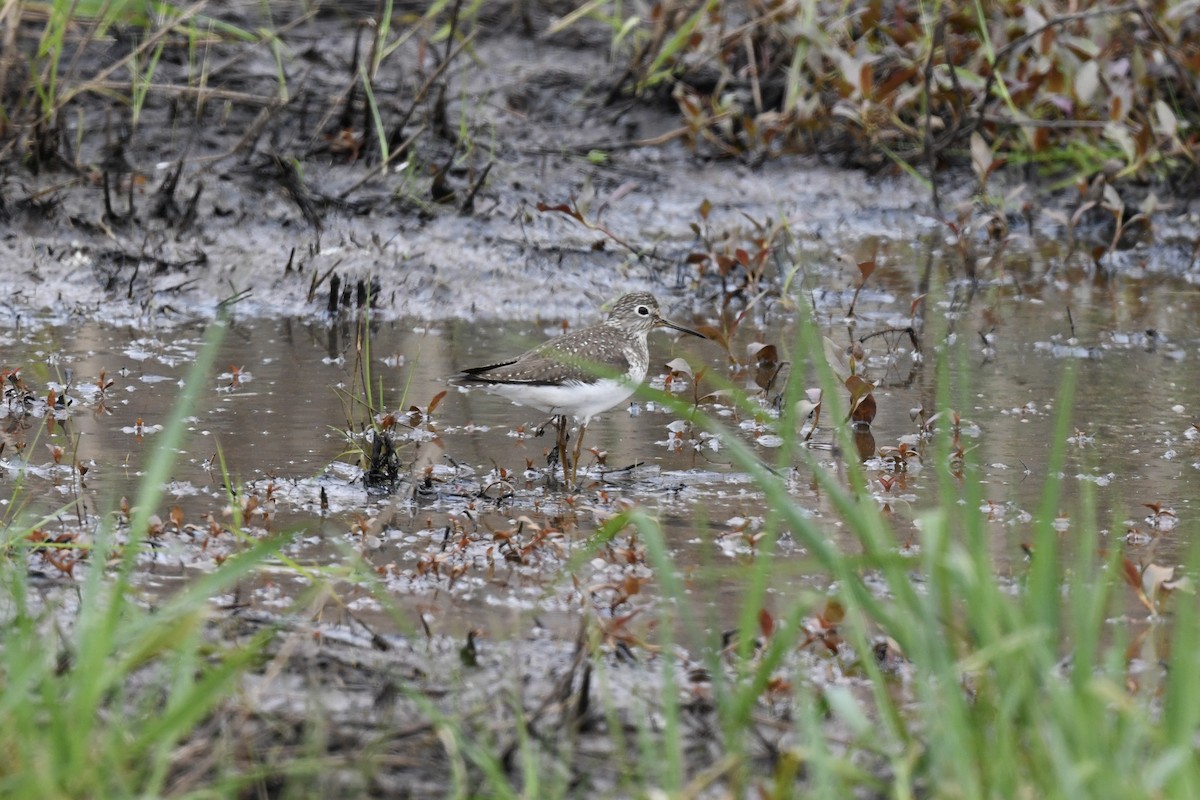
{"x": 487, "y": 543}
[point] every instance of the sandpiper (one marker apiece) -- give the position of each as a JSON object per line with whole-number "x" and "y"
{"x": 581, "y": 373}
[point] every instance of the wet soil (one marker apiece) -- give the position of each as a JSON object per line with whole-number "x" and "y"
{"x": 482, "y": 574}
{"x": 262, "y": 231}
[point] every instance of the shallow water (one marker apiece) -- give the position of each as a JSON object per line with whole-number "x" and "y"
{"x": 489, "y": 541}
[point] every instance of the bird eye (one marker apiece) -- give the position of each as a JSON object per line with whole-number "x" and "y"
{"x": 643, "y": 311}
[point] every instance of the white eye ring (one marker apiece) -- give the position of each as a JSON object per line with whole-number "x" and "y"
{"x": 643, "y": 311}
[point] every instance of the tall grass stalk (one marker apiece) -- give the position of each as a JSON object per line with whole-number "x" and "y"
{"x": 141, "y": 79}
{"x": 376, "y": 119}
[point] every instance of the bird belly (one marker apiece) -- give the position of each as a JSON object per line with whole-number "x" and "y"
{"x": 578, "y": 399}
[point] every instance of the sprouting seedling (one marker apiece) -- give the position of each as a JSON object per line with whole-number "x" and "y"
{"x": 103, "y": 384}
{"x": 844, "y": 364}
{"x": 767, "y": 365}
{"x": 899, "y": 456}
{"x": 1162, "y": 518}
{"x": 679, "y": 369}
{"x": 865, "y": 269}
{"x": 862, "y": 400}
{"x": 983, "y": 162}
{"x": 1153, "y": 584}
{"x": 417, "y": 415}
{"x": 823, "y": 627}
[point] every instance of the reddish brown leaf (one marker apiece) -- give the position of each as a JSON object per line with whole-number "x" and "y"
{"x": 561, "y": 208}
{"x": 763, "y": 353}
{"x": 833, "y": 614}
{"x": 858, "y": 387}
{"x": 714, "y": 334}
{"x": 437, "y": 398}
{"x": 1133, "y": 575}
{"x": 766, "y": 622}
{"x": 864, "y": 410}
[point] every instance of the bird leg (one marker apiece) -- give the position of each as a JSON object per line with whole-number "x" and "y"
{"x": 560, "y": 424}
{"x": 578, "y": 449}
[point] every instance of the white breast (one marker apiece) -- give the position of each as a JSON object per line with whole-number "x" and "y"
{"x": 577, "y": 399}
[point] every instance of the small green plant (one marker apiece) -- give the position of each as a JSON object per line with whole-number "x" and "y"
{"x": 372, "y": 432}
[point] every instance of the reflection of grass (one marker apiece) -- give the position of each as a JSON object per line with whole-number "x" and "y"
{"x": 98, "y": 691}
{"x": 942, "y": 681}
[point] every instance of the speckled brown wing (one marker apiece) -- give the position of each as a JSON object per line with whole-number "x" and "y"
{"x": 576, "y": 356}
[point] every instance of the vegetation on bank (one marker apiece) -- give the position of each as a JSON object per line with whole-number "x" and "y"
{"x": 1087, "y": 87}
{"x": 1070, "y": 91}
